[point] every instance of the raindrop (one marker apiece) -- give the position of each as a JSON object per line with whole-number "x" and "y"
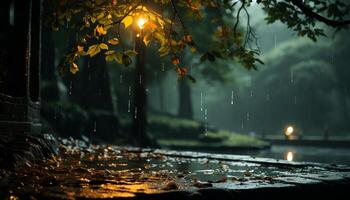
{"x": 332, "y": 58}
{"x": 232, "y": 97}
{"x": 135, "y": 113}
{"x": 55, "y": 114}
{"x": 201, "y": 101}
{"x": 206, "y": 120}
{"x": 251, "y": 93}
{"x": 291, "y": 76}
{"x": 70, "y": 88}
{"x": 275, "y": 38}
{"x": 88, "y": 64}
{"x": 163, "y": 67}
{"x": 295, "y": 100}
{"x": 129, "y": 105}
{"x": 94, "y": 127}
{"x": 140, "y": 79}
{"x": 121, "y": 78}
{"x": 248, "y": 116}
{"x": 129, "y": 90}
{"x": 242, "y": 124}
{"x": 105, "y": 75}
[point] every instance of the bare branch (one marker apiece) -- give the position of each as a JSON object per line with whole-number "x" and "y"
{"x": 308, "y": 12}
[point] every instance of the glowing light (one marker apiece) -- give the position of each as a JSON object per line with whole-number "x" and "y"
{"x": 141, "y": 22}
{"x": 289, "y": 156}
{"x": 289, "y": 131}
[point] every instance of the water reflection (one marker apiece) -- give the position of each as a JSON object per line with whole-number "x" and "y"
{"x": 306, "y": 154}
{"x": 289, "y": 156}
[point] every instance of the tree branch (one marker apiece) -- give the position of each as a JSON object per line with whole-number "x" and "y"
{"x": 310, "y": 13}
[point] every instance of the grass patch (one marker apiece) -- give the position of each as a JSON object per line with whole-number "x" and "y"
{"x": 220, "y": 138}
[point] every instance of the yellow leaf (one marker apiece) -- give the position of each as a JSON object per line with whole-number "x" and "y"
{"x": 161, "y": 38}
{"x": 146, "y": 39}
{"x": 127, "y": 21}
{"x": 113, "y": 41}
{"x": 103, "y": 46}
{"x": 100, "y": 30}
{"x": 93, "y": 50}
{"x": 80, "y": 48}
{"x": 193, "y": 49}
{"x": 74, "y": 68}
{"x": 110, "y": 57}
{"x": 130, "y": 53}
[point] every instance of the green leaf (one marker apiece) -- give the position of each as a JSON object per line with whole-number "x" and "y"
{"x": 131, "y": 52}
{"x": 118, "y": 57}
{"x": 191, "y": 78}
{"x": 126, "y": 60}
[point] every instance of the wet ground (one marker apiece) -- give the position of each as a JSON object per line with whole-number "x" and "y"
{"x": 84, "y": 171}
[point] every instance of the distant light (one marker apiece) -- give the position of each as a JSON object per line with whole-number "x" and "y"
{"x": 141, "y": 22}
{"x": 289, "y": 156}
{"x": 289, "y": 131}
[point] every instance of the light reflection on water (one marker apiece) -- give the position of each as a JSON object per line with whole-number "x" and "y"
{"x": 289, "y": 156}
{"x": 307, "y": 154}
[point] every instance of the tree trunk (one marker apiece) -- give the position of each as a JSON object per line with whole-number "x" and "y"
{"x": 344, "y": 110}
{"x": 161, "y": 96}
{"x": 185, "y": 100}
{"x": 50, "y": 90}
{"x": 5, "y": 38}
{"x": 139, "y": 126}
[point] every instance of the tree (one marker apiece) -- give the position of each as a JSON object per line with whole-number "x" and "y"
{"x": 101, "y": 23}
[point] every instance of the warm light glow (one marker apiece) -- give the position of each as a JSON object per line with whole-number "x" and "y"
{"x": 141, "y": 22}
{"x": 289, "y": 156}
{"x": 289, "y": 131}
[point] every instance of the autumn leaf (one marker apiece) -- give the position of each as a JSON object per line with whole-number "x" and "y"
{"x": 181, "y": 71}
{"x": 113, "y": 41}
{"x": 100, "y": 30}
{"x": 80, "y": 49}
{"x": 188, "y": 38}
{"x": 175, "y": 60}
{"x": 93, "y": 50}
{"x": 127, "y": 21}
{"x": 193, "y": 49}
{"x": 146, "y": 39}
{"x": 73, "y": 68}
{"x": 103, "y": 46}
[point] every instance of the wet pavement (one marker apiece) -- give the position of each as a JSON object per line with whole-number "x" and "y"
{"x": 85, "y": 171}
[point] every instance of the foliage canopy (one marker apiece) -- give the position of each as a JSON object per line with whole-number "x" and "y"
{"x": 104, "y": 27}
